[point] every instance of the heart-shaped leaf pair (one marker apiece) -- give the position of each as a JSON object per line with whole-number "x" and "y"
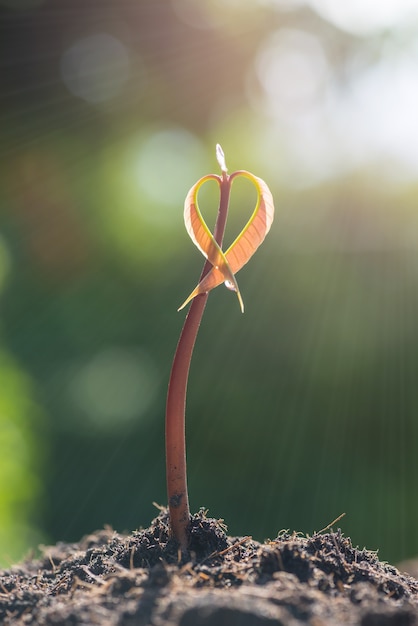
{"x": 227, "y": 264}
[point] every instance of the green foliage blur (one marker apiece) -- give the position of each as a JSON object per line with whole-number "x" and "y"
{"x": 301, "y": 409}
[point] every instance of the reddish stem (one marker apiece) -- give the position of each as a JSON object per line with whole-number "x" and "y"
{"x": 178, "y": 499}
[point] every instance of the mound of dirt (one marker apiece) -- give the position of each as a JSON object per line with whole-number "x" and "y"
{"x": 142, "y": 580}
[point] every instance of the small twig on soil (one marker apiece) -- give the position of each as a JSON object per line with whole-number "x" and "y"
{"x": 97, "y": 579}
{"x": 51, "y": 560}
{"x": 337, "y": 519}
{"x": 235, "y": 545}
{"x": 80, "y": 584}
{"x": 228, "y": 549}
{"x": 337, "y": 548}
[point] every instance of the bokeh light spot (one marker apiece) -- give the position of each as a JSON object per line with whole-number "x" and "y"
{"x": 378, "y": 122}
{"x": 96, "y": 68}
{"x": 115, "y": 387}
{"x": 291, "y": 67}
{"x": 169, "y": 163}
{"x": 365, "y": 17}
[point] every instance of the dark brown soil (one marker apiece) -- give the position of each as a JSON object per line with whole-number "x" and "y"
{"x": 140, "y": 579}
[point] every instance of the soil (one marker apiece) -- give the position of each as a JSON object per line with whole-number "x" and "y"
{"x": 140, "y": 579}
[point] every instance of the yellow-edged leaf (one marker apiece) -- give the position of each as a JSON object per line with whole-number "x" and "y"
{"x": 204, "y": 240}
{"x": 225, "y": 265}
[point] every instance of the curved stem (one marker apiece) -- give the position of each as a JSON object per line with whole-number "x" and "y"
{"x": 178, "y": 500}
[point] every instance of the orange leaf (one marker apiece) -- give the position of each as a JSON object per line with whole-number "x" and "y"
{"x": 225, "y": 265}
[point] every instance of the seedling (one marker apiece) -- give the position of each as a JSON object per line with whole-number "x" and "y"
{"x": 220, "y": 267}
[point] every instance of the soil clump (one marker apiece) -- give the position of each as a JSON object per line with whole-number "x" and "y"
{"x": 141, "y": 579}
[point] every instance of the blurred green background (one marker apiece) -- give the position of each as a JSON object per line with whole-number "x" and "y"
{"x": 301, "y": 409}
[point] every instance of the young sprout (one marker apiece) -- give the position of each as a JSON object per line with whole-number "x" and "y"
{"x": 220, "y": 267}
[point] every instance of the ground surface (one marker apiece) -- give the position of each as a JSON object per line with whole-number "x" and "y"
{"x": 139, "y": 580}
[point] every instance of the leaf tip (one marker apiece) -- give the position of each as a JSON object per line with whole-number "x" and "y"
{"x": 241, "y": 302}
{"x": 185, "y": 303}
{"x": 220, "y": 157}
